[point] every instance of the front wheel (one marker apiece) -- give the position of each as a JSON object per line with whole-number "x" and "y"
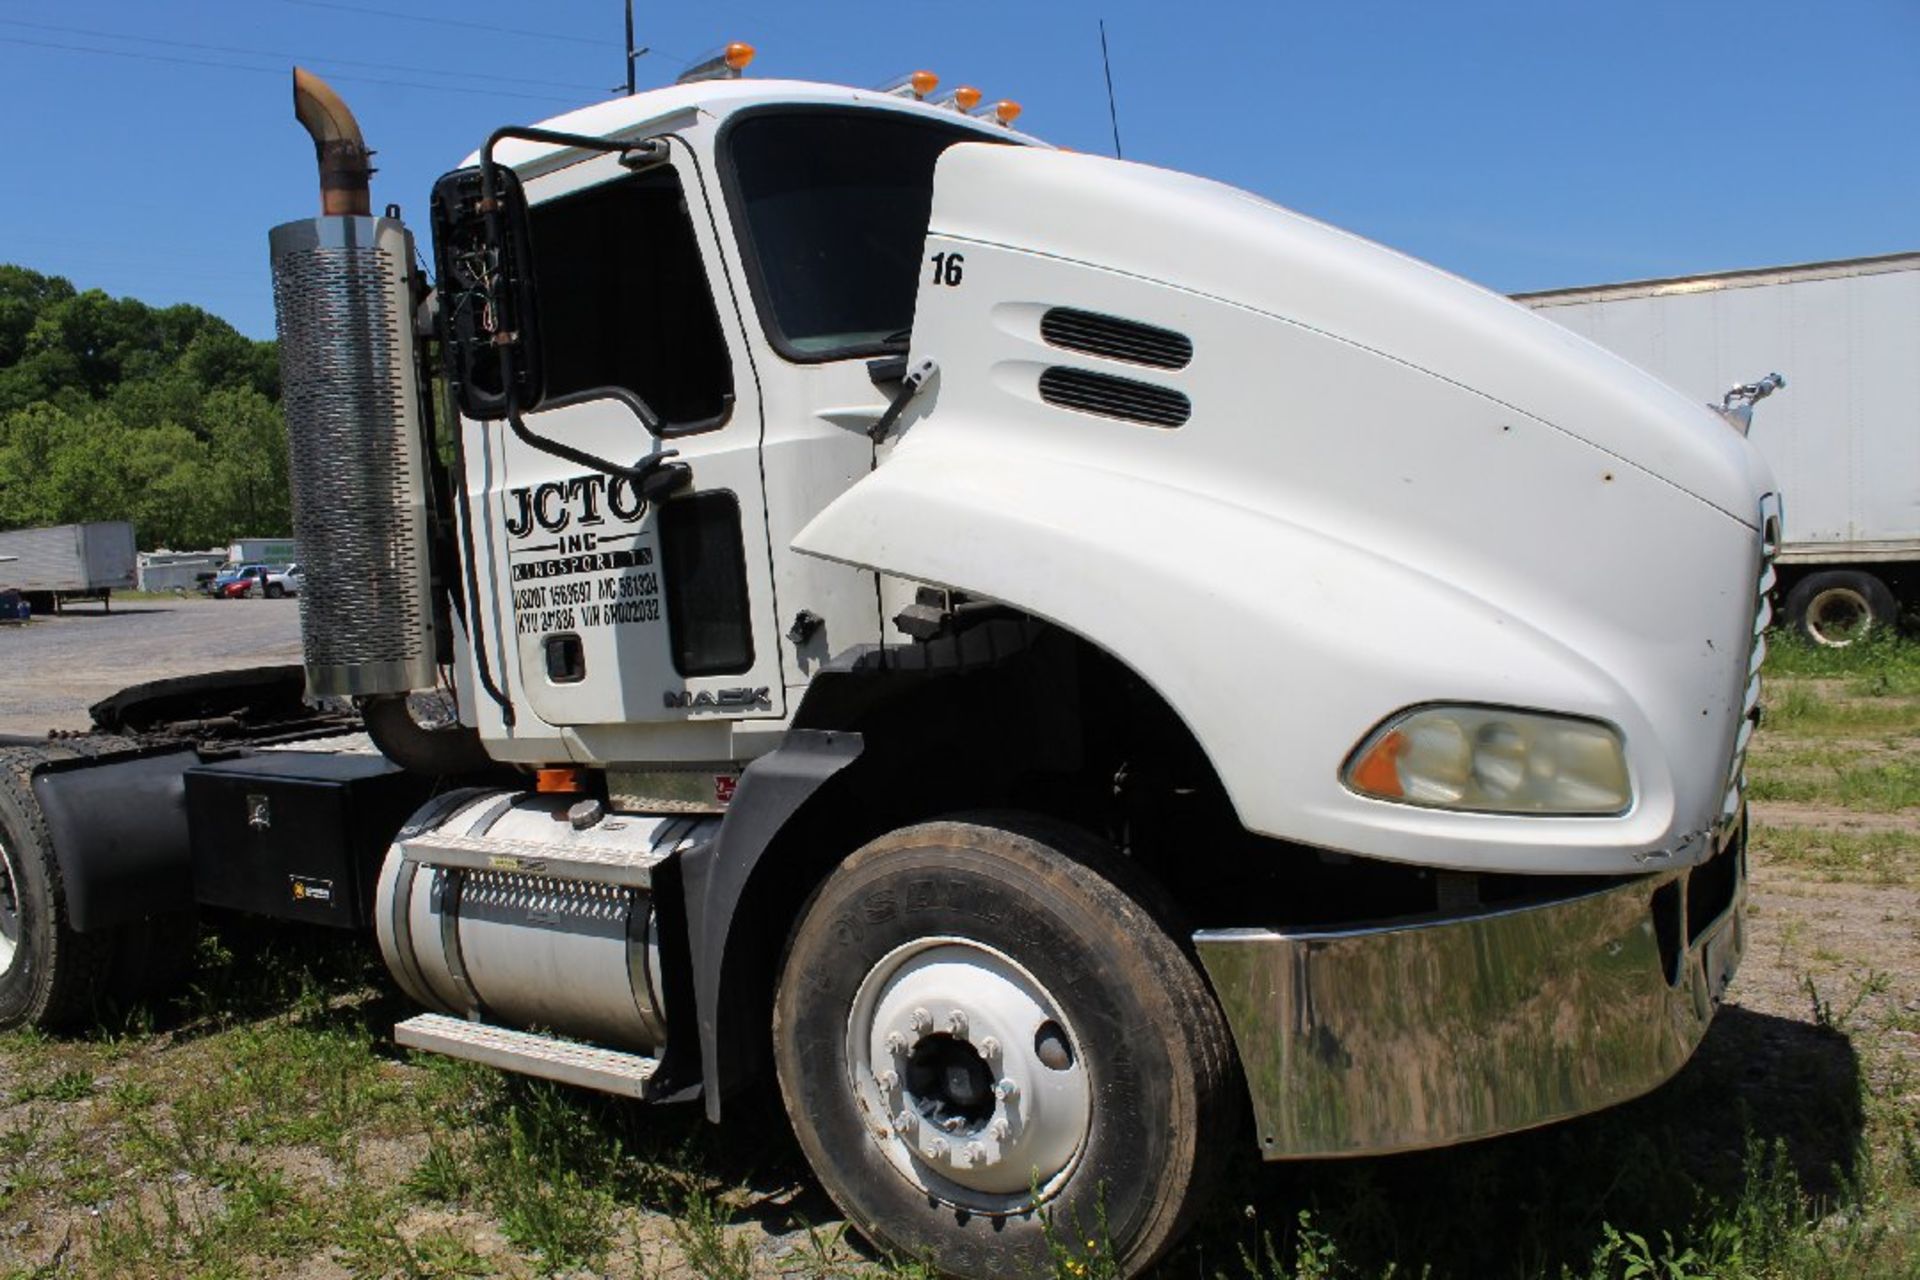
{"x": 275, "y": 591}
{"x": 979, "y": 1032}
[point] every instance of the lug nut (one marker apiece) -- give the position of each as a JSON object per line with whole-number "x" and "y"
{"x": 888, "y": 1081}
{"x": 989, "y": 1048}
{"x": 896, "y": 1043}
{"x": 964, "y": 1156}
{"x": 1000, "y": 1129}
{"x": 903, "y": 1123}
{"x": 937, "y": 1149}
{"x": 1006, "y": 1091}
{"x": 975, "y": 1154}
{"x": 921, "y": 1021}
{"x": 957, "y": 1025}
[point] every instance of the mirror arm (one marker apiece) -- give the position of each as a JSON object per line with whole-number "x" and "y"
{"x": 656, "y": 476}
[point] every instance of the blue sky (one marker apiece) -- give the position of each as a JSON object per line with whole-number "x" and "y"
{"x": 1524, "y": 144}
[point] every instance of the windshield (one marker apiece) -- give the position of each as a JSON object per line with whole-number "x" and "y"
{"x": 833, "y": 206}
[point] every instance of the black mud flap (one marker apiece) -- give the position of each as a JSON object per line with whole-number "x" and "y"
{"x": 772, "y": 790}
{"x": 119, "y": 829}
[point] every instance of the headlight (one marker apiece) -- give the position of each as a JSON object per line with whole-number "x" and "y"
{"x": 1494, "y": 760}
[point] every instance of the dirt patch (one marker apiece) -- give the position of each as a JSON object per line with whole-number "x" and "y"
{"x": 60, "y": 665}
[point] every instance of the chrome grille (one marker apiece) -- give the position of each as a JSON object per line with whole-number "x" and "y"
{"x": 1757, "y": 656}
{"x": 354, "y": 453}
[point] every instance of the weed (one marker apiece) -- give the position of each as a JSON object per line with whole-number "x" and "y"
{"x": 541, "y": 1197}
{"x": 67, "y": 1086}
{"x": 443, "y": 1175}
{"x": 1872, "y": 983}
{"x": 700, "y": 1229}
{"x": 133, "y": 1095}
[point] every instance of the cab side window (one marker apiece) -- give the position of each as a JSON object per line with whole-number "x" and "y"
{"x": 625, "y": 302}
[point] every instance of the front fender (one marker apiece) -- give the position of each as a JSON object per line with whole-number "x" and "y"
{"x": 1278, "y": 644}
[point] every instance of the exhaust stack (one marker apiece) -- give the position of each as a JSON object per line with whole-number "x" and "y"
{"x": 356, "y": 453}
{"x": 337, "y": 145}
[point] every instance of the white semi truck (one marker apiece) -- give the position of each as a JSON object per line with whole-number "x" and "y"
{"x": 1844, "y": 443}
{"x": 1059, "y": 667}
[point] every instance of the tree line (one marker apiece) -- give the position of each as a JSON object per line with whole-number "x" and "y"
{"x": 111, "y": 409}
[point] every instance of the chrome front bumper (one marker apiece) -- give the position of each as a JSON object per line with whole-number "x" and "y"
{"x": 1446, "y": 1029}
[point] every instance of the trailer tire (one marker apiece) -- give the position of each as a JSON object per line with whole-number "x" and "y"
{"x": 50, "y": 976}
{"x": 1030, "y": 959}
{"x": 1835, "y": 608}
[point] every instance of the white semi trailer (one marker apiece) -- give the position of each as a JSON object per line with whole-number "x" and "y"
{"x": 1844, "y": 442}
{"x": 57, "y": 563}
{"x": 1058, "y": 666}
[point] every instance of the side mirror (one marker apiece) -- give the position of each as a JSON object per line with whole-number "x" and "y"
{"x": 489, "y": 315}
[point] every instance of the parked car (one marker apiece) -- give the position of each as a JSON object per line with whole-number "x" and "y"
{"x": 242, "y": 576}
{"x": 285, "y": 581}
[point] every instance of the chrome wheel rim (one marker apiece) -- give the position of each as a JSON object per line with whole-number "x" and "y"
{"x": 969, "y": 1075}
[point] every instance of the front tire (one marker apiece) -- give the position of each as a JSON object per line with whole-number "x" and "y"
{"x": 976, "y": 1025}
{"x": 275, "y": 591}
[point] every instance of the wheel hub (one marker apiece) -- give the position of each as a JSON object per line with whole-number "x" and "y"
{"x": 1838, "y": 616}
{"x": 969, "y": 1075}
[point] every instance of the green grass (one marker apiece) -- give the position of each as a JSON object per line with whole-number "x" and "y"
{"x": 1882, "y": 665}
{"x": 1869, "y": 857}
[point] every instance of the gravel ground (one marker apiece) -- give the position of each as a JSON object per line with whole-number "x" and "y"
{"x": 54, "y": 668}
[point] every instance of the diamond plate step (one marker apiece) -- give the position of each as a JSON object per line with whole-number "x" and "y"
{"x": 599, "y": 865}
{"x": 585, "y": 1065}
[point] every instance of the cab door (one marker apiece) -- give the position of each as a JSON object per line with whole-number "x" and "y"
{"x": 620, "y": 609}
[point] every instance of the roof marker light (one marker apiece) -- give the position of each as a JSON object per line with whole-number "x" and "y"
{"x": 916, "y": 85}
{"x": 1006, "y": 111}
{"x": 966, "y": 97}
{"x": 727, "y": 64}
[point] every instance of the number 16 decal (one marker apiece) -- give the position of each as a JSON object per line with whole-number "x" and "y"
{"x": 946, "y": 268}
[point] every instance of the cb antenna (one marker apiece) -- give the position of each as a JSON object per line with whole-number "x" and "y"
{"x": 1106, "y": 64}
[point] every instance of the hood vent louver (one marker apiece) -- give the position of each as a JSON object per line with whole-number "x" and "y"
{"x": 1112, "y": 397}
{"x": 1116, "y": 339}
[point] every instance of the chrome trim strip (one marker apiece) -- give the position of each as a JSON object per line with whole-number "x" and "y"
{"x": 1400, "y": 1037}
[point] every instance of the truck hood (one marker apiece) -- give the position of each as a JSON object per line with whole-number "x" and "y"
{"x": 1235, "y": 247}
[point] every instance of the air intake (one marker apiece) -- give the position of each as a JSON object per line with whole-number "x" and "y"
{"x": 354, "y": 453}
{"x": 1116, "y": 339}
{"x": 1112, "y": 397}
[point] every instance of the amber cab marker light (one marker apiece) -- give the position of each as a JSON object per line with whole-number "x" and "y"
{"x": 1377, "y": 773}
{"x": 560, "y": 781}
{"x": 738, "y": 55}
{"x": 1006, "y": 111}
{"x": 923, "y": 82}
{"x": 966, "y": 97}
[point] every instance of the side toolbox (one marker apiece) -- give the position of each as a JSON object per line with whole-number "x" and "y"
{"x": 297, "y": 835}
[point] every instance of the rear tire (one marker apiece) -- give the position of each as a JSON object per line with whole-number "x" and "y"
{"x": 943, "y": 963}
{"x": 1835, "y": 608}
{"x": 275, "y": 591}
{"x": 50, "y": 976}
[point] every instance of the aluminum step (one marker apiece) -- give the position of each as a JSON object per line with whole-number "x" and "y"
{"x": 628, "y": 1074}
{"x": 596, "y": 864}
